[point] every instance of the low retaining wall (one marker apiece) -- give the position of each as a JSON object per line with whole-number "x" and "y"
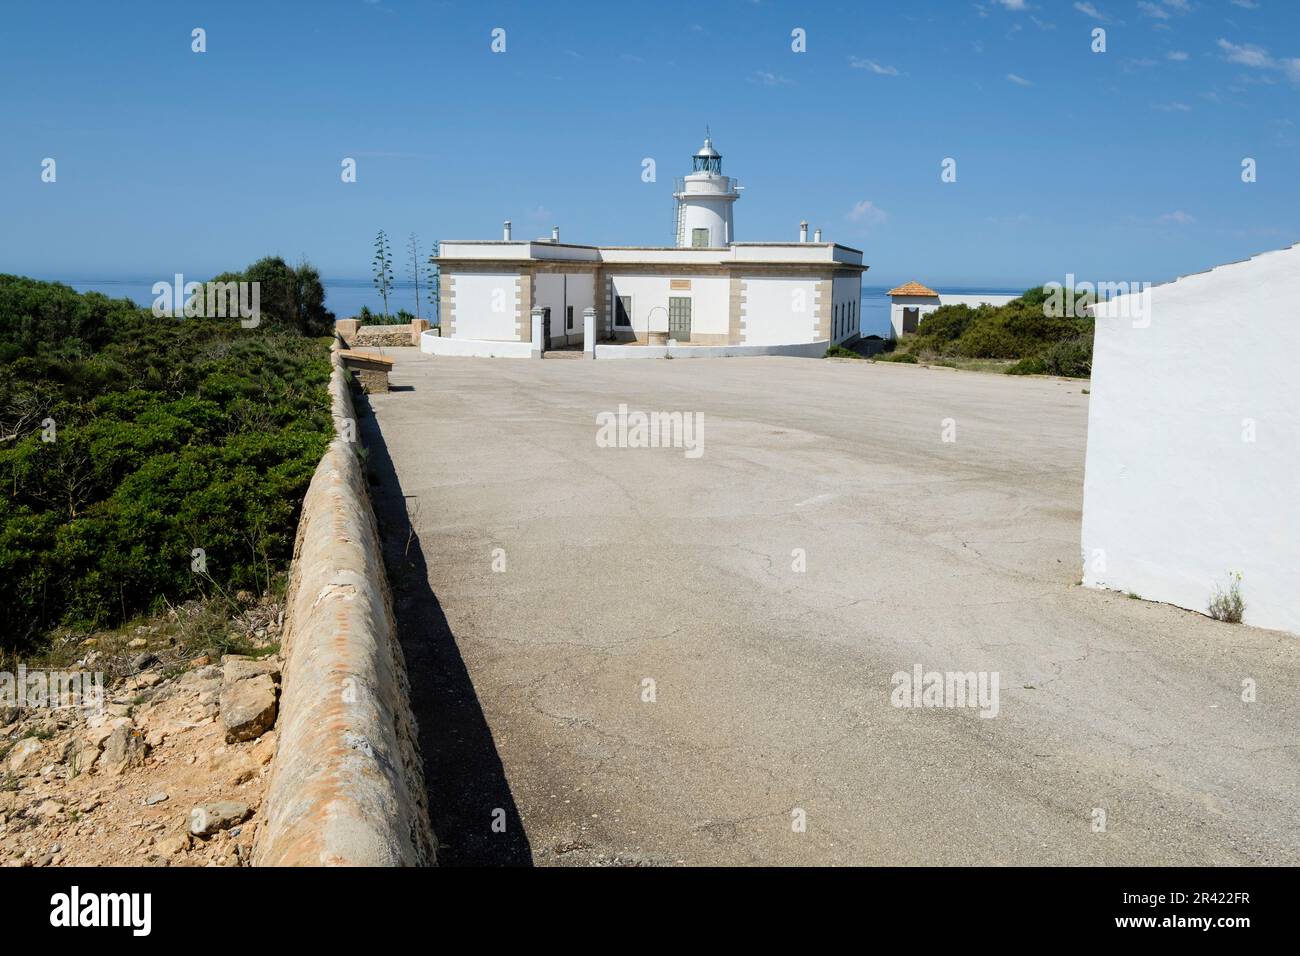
{"x": 482, "y": 348}
{"x": 347, "y": 783}
{"x": 804, "y": 350}
{"x": 355, "y": 334}
{"x": 433, "y": 344}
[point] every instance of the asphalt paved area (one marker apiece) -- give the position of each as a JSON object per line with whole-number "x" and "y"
{"x": 772, "y": 686}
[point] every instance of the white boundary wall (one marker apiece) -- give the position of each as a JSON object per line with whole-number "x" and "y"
{"x": 1176, "y": 494}
{"x": 433, "y": 344}
{"x": 806, "y": 350}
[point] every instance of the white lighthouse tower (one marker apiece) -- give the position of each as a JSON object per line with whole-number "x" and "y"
{"x": 704, "y": 200}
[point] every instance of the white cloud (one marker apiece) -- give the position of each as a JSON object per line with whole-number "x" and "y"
{"x": 1257, "y": 58}
{"x": 1177, "y": 218}
{"x": 1247, "y": 54}
{"x": 1174, "y": 107}
{"x": 1178, "y": 56}
{"x": 769, "y": 79}
{"x": 1246, "y": 4}
{"x": 1151, "y": 10}
{"x": 860, "y": 64}
{"x": 1014, "y": 4}
{"x": 867, "y": 212}
{"x": 1088, "y": 10}
{"x": 1018, "y": 80}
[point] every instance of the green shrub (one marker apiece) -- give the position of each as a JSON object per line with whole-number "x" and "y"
{"x": 1071, "y": 358}
{"x": 907, "y": 358}
{"x": 1228, "y": 605}
{"x": 1019, "y": 330}
{"x": 839, "y": 351}
{"x": 1028, "y": 366}
{"x": 170, "y": 435}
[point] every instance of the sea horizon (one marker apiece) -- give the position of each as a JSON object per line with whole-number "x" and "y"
{"x": 345, "y": 297}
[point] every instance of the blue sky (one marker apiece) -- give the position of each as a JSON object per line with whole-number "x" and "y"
{"x": 1123, "y": 165}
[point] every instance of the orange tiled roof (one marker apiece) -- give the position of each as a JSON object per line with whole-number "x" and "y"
{"x": 913, "y": 288}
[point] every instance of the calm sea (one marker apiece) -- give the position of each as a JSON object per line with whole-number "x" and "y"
{"x": 345, "y": 297}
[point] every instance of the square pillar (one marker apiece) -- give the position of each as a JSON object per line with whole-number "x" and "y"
{"x": 538, "y": 345}
{"x": 589, "y": 331}
{"x": 347, "y": 329}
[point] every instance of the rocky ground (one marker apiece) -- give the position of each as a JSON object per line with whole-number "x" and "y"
{"x": 172, "y": 769}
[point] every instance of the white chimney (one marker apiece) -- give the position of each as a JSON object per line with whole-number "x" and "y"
{"x": 817, "y": 235}
{"x": 555, "y": 234}
{"x": 505, "y": 230}
{"x": 803, "y": 231}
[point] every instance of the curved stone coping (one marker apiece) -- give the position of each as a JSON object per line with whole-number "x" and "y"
{"x": 347, "y": 783}
{"x": 432, "y": 344}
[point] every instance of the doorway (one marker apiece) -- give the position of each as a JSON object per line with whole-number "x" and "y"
{"x": 679, "y": 318}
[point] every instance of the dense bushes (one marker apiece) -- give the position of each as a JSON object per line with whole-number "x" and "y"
{"x": 291, "y": 297}
{"x": 167, "y": 436}
{"x": 1021, "y": 329}
{"x": 1070, "y": 358}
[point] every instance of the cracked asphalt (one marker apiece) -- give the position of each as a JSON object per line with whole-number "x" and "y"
{"x": 772, "y": 685}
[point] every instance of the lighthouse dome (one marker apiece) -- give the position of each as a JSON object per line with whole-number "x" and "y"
{"x": 707, "y": 159}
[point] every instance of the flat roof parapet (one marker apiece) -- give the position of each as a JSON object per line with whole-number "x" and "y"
{"x": 794, "y": 253}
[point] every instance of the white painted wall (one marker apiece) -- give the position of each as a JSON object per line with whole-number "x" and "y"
{"x": 975, "y": 301}
{"x": 804, "y": 350}
{"x": 1174, "y": 498}
{"x": 553, "y": 289}
{"x": 779, "y": 311}
{"x": 924, "y": 304}
{"x": 433, "y": 344}
{"x": 709, "y": 297}
{"x": 706, "y": 203}
{"x": 486, "y": 305}
{"x": 847, "y": 295}
{"x": 520, "y": 249}
{"x": 649, "y": 312}
{"x": 710, "y": 301}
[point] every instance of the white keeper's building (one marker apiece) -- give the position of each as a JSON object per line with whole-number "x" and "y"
{"x": 706, "y": 295}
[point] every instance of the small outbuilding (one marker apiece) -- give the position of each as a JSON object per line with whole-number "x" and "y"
{"x": 911, "y": 302}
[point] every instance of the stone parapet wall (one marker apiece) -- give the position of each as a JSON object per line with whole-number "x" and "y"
{"x": 347, "y": 782}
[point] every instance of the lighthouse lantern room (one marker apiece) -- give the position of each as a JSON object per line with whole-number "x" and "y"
{"x": 704, "y": 200}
